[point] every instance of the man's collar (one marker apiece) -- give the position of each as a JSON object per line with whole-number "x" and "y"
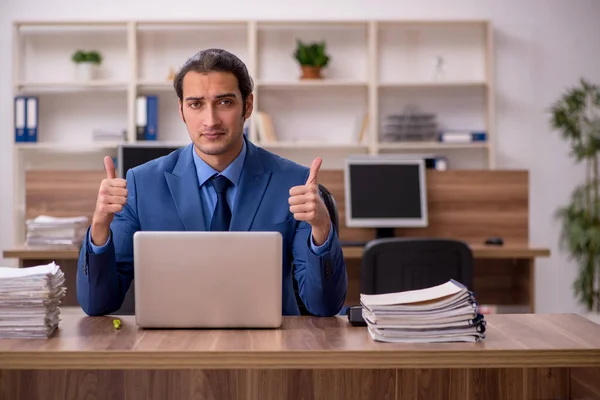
{"x": 233, "y": 171}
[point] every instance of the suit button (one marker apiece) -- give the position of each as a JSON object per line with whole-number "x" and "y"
{"x": 328, "y": 269}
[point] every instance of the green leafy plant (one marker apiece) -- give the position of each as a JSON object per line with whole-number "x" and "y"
{"x": 577, "y": 115}
{"x": 81, "y": 56}
{"x": 311, "y": 54}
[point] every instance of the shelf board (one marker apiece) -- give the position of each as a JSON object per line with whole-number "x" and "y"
{"x": 66, "y": 147}
{"x": 87, "y": 24}
{"x": 432, "y": 84}
{"x": 162, "y": 85}
{"x": 186, "y": 25}
{"x": 322, "y": 83}
{"x": 431, "y": 145}
{"x": 311, "y": 24}
{"x": 99, "y": 146}
{"x": 159, "y": 143}
{"x": 312, "y": 145}
{"x": 431, "y": 22}
{"x": 65, "y": 86}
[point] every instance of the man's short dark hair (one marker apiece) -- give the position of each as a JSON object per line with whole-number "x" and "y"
{"x": 216, "y": 60}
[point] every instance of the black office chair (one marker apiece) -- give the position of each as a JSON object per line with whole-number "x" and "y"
{"x": 128, "y": 306}
{"x": 331, "y": 205}
{"x": 399, "y": 264}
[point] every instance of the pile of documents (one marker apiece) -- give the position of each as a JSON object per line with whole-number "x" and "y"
{"x": 30, "y": 301}
{"x": 45, "y": 230}
{"x": 443, "y": 313}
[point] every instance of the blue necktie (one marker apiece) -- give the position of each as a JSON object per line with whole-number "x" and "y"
{"x": 222, "y": 216}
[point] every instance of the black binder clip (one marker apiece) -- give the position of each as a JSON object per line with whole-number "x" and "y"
{"x": 355, "y": 316}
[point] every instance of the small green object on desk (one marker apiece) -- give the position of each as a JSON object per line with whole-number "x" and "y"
{"x": 117, "y": 323}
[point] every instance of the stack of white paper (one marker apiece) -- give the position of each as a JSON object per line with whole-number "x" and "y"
{"x": 30, "y": 301}
{"x": 443, "y": 313}
{"x": 45, "y": 230}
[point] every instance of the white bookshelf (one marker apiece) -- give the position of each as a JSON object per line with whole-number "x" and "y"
{"x": 326, "y": 83}
{"x": 27, "y": 87}
{"x": 63, "y": 148}
{"x": 431, "y": 146}
{"x": 377, "y": 68}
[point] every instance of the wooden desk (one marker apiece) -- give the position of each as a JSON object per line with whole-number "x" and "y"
{"x": 502, "y": 275}
{"x": 479, "y": 252}
{"x": 25, "y": 254}
{"x": 523, "y": 357}
{"x": 467, "y": 205}
{"x": 350, "y": 252}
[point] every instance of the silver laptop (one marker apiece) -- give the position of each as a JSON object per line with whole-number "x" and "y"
{"x": 208, "y": 279}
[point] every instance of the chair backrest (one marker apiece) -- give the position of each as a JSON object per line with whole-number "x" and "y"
{"x": 331, "y": 205}
{"x": 128, "y": 306}
{"x": 399, "y": 264}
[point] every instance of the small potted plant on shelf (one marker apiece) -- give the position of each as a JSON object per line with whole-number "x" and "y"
{"x": 312, "y": 58}
{"x": 576, "y": 114}
{"x": 86, "y": 63}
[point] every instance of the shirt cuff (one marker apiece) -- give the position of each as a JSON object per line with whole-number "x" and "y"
{"x": 318, "y": 250}
{"x": 99, "y": 249}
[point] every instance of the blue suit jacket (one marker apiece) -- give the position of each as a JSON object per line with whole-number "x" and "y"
{"x": 164, "y": 195}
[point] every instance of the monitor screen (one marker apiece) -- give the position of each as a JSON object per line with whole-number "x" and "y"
{"x": 385, "y": 192}
{"x": 132, "y": 155}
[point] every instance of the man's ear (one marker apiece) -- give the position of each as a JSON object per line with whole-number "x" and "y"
{"x": 181, "y": 110}
{"x": 249, "y": 106}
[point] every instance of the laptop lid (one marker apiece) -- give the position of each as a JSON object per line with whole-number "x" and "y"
{"x": 208, "y": 279}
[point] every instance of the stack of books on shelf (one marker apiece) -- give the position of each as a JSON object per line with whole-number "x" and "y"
{"x": 445, "y": 313}
{"x": 412, "y": 125}
{"x": 45, "y": 230}
{"x": 265, "y": 128}
{"x": 30, "y": 301}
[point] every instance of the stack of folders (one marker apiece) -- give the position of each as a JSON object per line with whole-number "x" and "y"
{"x": 46, "y": 230}
{"x": 30, "y": 301}
{"x": 443, "y": 313}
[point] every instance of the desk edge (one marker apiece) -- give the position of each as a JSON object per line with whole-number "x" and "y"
{"x": 298, "y": 359}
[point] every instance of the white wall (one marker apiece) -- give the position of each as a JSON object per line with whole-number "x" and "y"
{"x": 542, "y": 46}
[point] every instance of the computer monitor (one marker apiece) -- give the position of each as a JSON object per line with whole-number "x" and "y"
{"x": 385, "y": 192}
{"x": 132, "y": 155}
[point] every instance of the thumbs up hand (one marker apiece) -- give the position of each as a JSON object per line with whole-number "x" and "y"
{"x": 112, "y": 196}
{"x": 307, "y": 205}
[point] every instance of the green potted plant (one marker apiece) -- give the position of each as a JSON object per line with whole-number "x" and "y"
{"x": 312, "y": 58}
{"x": 576, "y": 114}
{"x": 86, "y": 63}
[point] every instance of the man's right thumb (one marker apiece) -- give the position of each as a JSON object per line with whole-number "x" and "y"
{"x": 109, "y": 166}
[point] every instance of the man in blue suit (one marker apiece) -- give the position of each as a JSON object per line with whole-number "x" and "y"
{"x": 221, "y": 181}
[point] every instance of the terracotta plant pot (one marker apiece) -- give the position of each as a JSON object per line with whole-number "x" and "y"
{"x": 309, "y": 72}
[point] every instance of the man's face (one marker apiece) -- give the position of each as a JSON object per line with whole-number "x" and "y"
{"x": 212, "y": 111}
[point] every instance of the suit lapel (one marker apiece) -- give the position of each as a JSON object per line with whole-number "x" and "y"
{"x": 253, "y": 184}
{"x": 184, "y": 187}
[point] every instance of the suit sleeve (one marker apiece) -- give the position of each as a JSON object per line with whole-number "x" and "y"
{"x": 318, "y": 250}
{"x": 322, "y": 278}
{"x": 104, "y": 275}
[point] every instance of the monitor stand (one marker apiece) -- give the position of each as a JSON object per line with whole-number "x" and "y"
{"x": 383, "y": 233}
{"x": 380, "y": 233}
